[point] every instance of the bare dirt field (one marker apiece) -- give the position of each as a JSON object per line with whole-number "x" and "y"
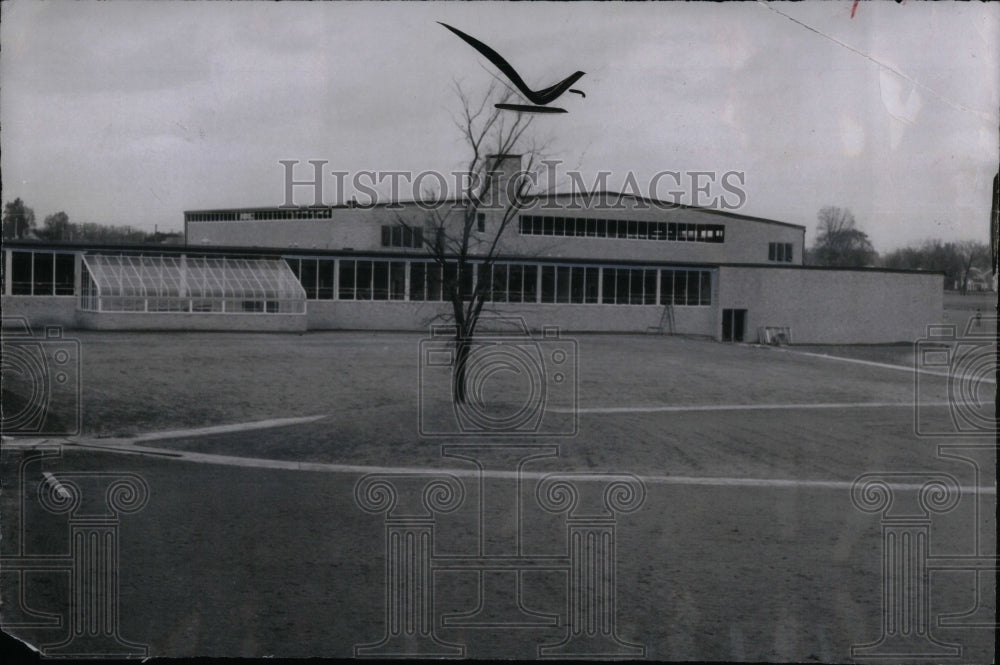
{"x": 746, "y": 546}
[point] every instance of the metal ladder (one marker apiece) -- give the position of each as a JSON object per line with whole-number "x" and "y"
{"x": 666, "y": 321}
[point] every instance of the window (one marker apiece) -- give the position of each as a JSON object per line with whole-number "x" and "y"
{"x": 530, "y": 283}
{"x": 608, "y": 295}
{"x": 42, "y": 274}
{"x": 435, "y": 285}
{"x": 363, "y": 280}
{"x": 591, "y": 285}
{"x": 65, "y": 269}
{"x": 402, "y": 236}
{"x": 649, "y": 287}
{"x": 685, "y": 287}
{"x": 380, "y": 280}
{"x": 621, "y": 286}
{"x": 324, "y": 289}
{"x": 346, "y": 280}
{"x": 577, "y": 285}
{"x": 666, "y": 287}
{"x": 498, "y": 292}
{"x": 417, "y": 277}
{"x": 548, "y": 283}
{"x": 562, "y": 284}
{"x": 780, "y": 252}
{"x": 397, "y": 280}
{"x": 308, "y": 278}
{"x": 515, "y": 283}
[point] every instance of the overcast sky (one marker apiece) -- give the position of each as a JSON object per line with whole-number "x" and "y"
{"x": 132, "y": 112}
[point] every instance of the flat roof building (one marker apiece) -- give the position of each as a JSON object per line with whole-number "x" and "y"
{"x": 605, "y": 262}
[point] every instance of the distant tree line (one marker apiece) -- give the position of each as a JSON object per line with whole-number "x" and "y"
{"x": 840, "y": 243}
{"x": 19, "y": 224}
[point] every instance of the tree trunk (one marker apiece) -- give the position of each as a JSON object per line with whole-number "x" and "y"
{"x": 462, "y": 348}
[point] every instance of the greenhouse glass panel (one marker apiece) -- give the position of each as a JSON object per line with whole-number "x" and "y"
{"x": 117, "y": 283}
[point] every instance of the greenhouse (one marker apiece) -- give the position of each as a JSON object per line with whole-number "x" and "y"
{"x": 188, "y": 284}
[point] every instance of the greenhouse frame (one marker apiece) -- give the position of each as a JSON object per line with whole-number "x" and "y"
{"x": 188, "y": 284}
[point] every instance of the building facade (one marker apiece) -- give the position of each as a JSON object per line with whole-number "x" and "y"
{"x": 585, "y": 263}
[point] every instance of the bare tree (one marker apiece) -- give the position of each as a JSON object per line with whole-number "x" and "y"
{"x": 839, "y": 241}
{"x": 455, "y": 234}
{"x": 969, "y": 253}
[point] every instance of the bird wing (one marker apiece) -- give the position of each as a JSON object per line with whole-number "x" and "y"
{"x": 552, "y": 92}
{"x": 504, "y": 66}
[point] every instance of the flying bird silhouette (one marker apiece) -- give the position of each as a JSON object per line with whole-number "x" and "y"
{"x": 539, "y": 97}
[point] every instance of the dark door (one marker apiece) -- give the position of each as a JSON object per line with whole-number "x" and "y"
{"x": 733, "y": 324}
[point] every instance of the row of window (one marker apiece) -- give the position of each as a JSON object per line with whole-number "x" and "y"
{"x": 580, "y": 227}
{"x": 779, "y": 251}
{"x": 41, "y": 274}
{"x": 326, "y": 279}
{"x": 259, "y": 215}
{"x": 402, "y": 236}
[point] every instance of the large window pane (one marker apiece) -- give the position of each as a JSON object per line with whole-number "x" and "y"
{"x": 380, "y": 272}
{"x": 499, "y": 290}
{"x": 706, "y": 288}
{"x": 608, "y": 295}
{"x": 635, "y": 287}
{"x": 666, "y": 287}
{"x": 680, "y": 287}
{"x": 562, "y": 284}
{"x": 468, "y": 283}
{"x": 693, "y": 287}
{"x": 649, "y": 287}
{"x": 325, "y": 280}
{"x": 308, "y": 278}
{"x": 484, "y": 280}
{"x": 345, "y": 278}
{"x": 622, "y": 286}
{"x": 397, "y": 280}
{"x": 514, "y": 283}
{"x": 20, "y": 273}
{"x": 435, "y": 285}
{"x": 450, "y": 281}
{"x": 65, "y": 267}
{"x": 418, "y": 270}
{"x": 530, "y": 283}
{"x": 591, "y": 285}
{"x": 44, "y": 267}
{"x": 548, "y": 283}
{"x": 364, "y": 279}
{"x": 577, "y": 286}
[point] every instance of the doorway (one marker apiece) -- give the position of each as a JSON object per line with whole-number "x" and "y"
{"x": 733, "y": 325}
